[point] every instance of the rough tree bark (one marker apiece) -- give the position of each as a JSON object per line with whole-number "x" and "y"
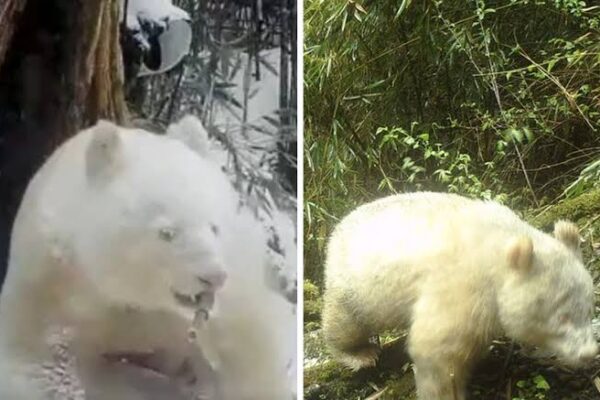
{"x": 8, "y": 11}
{"x": 60, "y": 70}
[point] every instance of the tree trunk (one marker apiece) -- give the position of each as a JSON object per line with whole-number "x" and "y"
{"x": 60, "y": 70}
{"x": 8, "y": 12}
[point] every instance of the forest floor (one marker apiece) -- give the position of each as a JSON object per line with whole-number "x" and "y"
{"x": 508, "y": 373}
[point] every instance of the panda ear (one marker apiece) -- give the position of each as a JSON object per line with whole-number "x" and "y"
{"x": 520, "y": 254}
{"x": 568, "y": 233}
{"x": 104, "y": 153}
{"x": 192, "y": 133}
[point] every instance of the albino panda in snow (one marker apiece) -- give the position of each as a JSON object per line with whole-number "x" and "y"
{"x": 133, "y": 274}
{"x": 456, "y": 273}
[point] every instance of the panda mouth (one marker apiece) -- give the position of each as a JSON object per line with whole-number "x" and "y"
{"x": 152, "y": 362}
{"x": 201, "y": 303}
{"x": 188, "y": 300}
{"x": 147, "y": 360}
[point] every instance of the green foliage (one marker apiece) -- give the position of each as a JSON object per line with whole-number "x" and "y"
{"x": 313, "y": 302}
{"x": 588, "y": 178}
{"x": 534, "y": 388}
{"x": 492, "y": 99}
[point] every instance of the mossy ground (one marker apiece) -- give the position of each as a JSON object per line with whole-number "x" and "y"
{"x": 503, "y": 375}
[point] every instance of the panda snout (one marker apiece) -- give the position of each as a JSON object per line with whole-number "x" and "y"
{"x": 213, "y": 280}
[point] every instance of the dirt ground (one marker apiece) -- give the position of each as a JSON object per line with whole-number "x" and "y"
{"x": 499, "y": 376}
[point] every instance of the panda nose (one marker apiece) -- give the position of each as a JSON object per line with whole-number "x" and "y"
{"x": 214, "y": 279}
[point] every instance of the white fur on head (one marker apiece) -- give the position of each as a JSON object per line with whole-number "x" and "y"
{"x": 520, "y": 254}
{"x": 192, "y": 133}
{"x": 568, "y": 233}
{"x": 103, "y": 155}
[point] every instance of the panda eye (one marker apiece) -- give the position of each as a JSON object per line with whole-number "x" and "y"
{"x": 166, "y": 234}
